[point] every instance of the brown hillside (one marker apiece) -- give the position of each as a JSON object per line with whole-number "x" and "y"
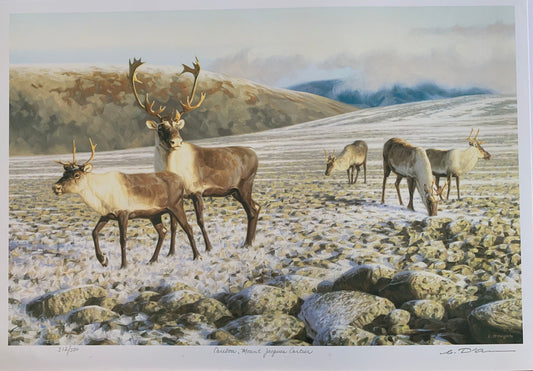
{"x": 48, "y": 106}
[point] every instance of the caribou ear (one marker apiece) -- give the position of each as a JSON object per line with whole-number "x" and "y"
{"x": 178, "y": 125}
{"x": 152, "y": 125}
{"x": 87, "y": 168}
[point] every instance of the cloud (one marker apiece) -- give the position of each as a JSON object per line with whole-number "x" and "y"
{"x": 265, "y": 70}
{"x": 455, "y": 57}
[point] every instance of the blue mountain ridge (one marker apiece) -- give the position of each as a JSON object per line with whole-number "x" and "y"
{"x": 396, "y": 94}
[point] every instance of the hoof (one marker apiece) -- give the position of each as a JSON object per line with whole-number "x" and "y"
{"x": 104, "y": 261}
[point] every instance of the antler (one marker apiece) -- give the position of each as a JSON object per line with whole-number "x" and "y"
{"x": 474, "y": 139}
{"x": 147, "y": 106}
{"x": 74, "y": 162}
{"x": 187, "y": 107}
{"x": 93, "y": 146}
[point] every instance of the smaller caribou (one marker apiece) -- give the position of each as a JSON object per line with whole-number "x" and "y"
{"x": 119, "y": 196}
{"x": 351, "y": 157}
{"x": 456, "y": 162}
{"x": 411, "y": 162}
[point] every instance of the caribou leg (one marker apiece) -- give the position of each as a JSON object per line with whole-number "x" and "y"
{"x": 161, "y": 231}
{"x": 397, "y": 185}
{"x": 102, "y": 258}
{"x": 179, "y": 214}
{"x": 199, "y": 209}
{"x": 123, "y": 228}
{"x": 411, "y": 186}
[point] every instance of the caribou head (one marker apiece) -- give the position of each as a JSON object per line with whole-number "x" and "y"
{"x": 74, "y": 176}
{"x": 330, "y": 161}
{"x": 167, "y": 126}
{"x": 476, "y": 143}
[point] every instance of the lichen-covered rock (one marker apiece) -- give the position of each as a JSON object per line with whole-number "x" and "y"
{"x": 498, "y": 322}
{"x": 398, "y": 317}
{"x": 61, "y": 302}
{"x": 176, "y": 300}
{"x": 344, "y": 335}
{"x": 354, "y": 308}
{"x": 90, "y": 314}
{"x": 418, "y": 285}
{"x": 503, "y": 291}
{"x": 392, "y": 340}
{"x": 290, "y": 343}
{"x": 459, "y": 225}
{"x": 223, "y": 337}
{"x": 263, "y": 299}
{"x": 213, "y": 310}
{"x": 262, "y": 329}
{"x": 194, "y": 321}
{"x": 424, "y": 309}
{"x": 302, "y": 286}
{"x": 368, "y": 278}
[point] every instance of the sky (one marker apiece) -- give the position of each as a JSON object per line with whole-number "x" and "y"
{"x": 368, "y": 47}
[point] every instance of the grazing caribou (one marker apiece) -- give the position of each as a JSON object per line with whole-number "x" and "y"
{"x": 119, "y": 196}
{"x": 211, "y": 172}
{"x": 411, "y": 162}
{"x": 456, "y": 162}
{"x": 351, "y": 157}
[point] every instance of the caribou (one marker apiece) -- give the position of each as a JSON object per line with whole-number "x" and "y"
{"x": 209, "y": 172}
{"x": 352, "y": 157}
{"x": 456, "y": 162}
{"x": 119, "y": 196}
{"x": 411, "y": 162}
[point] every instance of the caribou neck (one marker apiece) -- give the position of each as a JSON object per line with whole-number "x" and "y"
{"x": 468, "y": 159}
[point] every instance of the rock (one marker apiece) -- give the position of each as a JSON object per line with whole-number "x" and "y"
{"x": 263, "y": 299}
{"x": 398, "y": 317}
{"x": 176, "y": 300}
{"x": 301, "y": 286}
{"x": 61, "y": 302}
{"x": 262, "y": 329}
{"x": 368, "y": 278}
{"x": 213, "y": 310}
{"x": 417, "y": 285}
{"x": 165, "y": 289}
{"x": 457, "y": 226}
{"x": 424, "y": 309}
{"x": 335, "y": 308}
{"x": 503, "y": 291}
{"x": 290, "y": 343}
{"x": 344, "y": 335}
{"x": 498, "y": 322}
{"x": 223, "y": 337}
{"x": 392, "y": 340}
{"x": 194, "y": 321}
{"x": 90, "y": 314}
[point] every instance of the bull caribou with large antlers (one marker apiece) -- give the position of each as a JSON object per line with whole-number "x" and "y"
{"x": 119, "y": 196}
{"x": 212, "y": 172}
{"x": 456, "y": 162}
{"x": 411, "y": 162}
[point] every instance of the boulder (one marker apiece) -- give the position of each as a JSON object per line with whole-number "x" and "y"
{"x": 498, "y": 322}
{"x": 419, "y": 285}
{"x": 424, "y": 309}
{"x": 174, "y": 301}
{"x": 302, "y": 286}
{"x": 263, "y": 329}
{"x": 340, "y": 308}
{"x": 263, "y": 299}
{"x": 90, "y": 314}
{"x": 61, "y": 302}
{"x": 344, "y": 335}
{"x": 368, "y": 278}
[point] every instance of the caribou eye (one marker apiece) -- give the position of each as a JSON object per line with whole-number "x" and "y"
{"x": 77, "y": 176}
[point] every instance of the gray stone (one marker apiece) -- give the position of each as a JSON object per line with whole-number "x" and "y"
{"x": 263, "y": 299}
{"x": 61, "y": 302}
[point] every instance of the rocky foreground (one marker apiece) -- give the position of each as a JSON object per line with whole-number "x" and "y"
{"x": 433, "y": 281}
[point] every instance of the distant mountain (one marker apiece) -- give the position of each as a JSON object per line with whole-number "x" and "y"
{"x": 49, "y": 106}
{"x": 397, "y": 94}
